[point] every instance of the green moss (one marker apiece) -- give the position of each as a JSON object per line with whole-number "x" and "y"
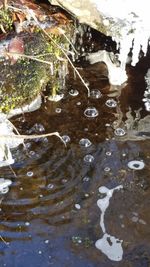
{"x": 5, "y": 19}
{"x": 23, "y": 81}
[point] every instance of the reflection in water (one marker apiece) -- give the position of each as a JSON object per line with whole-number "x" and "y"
{"x": 52, "y": 200}
{"x": 109, "y": 245}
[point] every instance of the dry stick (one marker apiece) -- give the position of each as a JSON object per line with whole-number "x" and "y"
{"x": 27, "y": 56}
{"x": 5, "y": 4}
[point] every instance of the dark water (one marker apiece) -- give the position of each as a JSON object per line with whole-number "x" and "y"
{"x": 50, "y": 215}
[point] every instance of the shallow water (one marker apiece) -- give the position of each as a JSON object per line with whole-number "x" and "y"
{"x": 50, "y": 215}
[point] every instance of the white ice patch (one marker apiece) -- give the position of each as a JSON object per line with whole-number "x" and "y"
{"x": 109, "y": 245}
{"x": 4, "y": 185}
{"x": 7, "y": 143}
{"x": 116, "y": 74}
{"x": 130, "y": 30}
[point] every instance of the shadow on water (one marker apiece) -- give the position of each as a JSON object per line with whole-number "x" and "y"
{"x": 50, "y": 216}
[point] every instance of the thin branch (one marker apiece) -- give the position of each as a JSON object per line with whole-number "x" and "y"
{"x": 34, "y": 136}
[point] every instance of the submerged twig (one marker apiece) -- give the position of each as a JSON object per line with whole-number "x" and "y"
{"x": 6, "y": 243}
{"x": 34, "y": 136}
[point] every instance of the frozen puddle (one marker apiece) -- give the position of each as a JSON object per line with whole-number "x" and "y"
{"x": 109, "y": 245}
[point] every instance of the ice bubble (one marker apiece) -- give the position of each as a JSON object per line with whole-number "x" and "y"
{"x": 108, "y": 153}
{"x": 119, "y": 132}
{"x": 29, "y": 174}
{"x": 77, "y": 206}
{"x": 89, "y": 158}
{"x": 32, "y": 153}
{"x": 91, "y": 112}
{"x": 107, "y": 169}
{"x": 78, "y": 103}
{"x": 66, "y": 138}
{"x": 136, "y": 165}
{"x": 95, "y": 93}
{"x": 86, "y": 179}
{"x": 73, "y": 92}
{"x": 111, "y": 103}
{"x": 85, "y": 142}
{"x": 38, "y": 127}
{"x": 50, "y": 186}
{"x": 27, "y": 223}
{"x": 58, "y": 110}
{"x": 4, "y": 185}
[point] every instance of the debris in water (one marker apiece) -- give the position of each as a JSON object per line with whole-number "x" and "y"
{"x": 111, "y": 103}
{"x": 88, "y": 158}
{"x": 4, "y": 185}
{"x": 136, "y": 165}
{"x": 85, "y": 142}
{"x": 91, "y": 112}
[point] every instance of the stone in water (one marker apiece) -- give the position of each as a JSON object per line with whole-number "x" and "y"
{"x": 91, "y": 112}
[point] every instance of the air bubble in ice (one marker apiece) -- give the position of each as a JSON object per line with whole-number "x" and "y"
{"x": 107, "y": 169}
{"x": 108, "y": 153}
{"x": 29, "y": 174}
{"x": 38, "y": 127}
{"x": 32, "y": 153}
{"x": 58, "y": 110}
{"x": 73, "y": 92}
{"x": 111, "y": 103}
{"x": 89, "y": 158}
{"x": 95, "y": 93}
{"x": 120, "y": 132}
{"x": 91, "y": 112}
{"x": 85, "y": 142}
{"x": 86, "y": 179}
{"x": 66, "y": 138}
{"x": 77, "y": 206}
{"x": 50, "y": 186}
{"x": 136, "y": 165}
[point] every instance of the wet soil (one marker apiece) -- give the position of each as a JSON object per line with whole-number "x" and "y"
{"x": 50, "y": 215}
